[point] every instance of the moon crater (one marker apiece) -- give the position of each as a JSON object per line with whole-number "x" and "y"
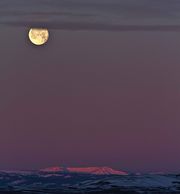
{"x": 38, "y": 36}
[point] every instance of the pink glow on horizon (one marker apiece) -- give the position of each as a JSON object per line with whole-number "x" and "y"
{"x": 88, "y": 170}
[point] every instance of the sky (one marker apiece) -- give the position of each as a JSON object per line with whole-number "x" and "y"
{"x": 104, "y": 90}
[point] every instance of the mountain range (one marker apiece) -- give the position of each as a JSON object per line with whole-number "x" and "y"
{"x": 87, "y": 170}
{"x": 86, "y": 180}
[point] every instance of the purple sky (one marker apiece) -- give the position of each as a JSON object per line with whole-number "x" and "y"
{"x": 90, "y": 97}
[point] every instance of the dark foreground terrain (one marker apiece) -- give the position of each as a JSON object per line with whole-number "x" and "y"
{"x": 38, "y": 182}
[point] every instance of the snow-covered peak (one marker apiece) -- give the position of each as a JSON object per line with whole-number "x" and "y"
{"x": 87, "y": 170}
{"x": 54, "y": 169}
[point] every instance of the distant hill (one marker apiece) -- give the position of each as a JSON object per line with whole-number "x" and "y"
{"x": 87, "y": 170}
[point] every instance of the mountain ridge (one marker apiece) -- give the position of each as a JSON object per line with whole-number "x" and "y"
{"x": 85, "y": 170}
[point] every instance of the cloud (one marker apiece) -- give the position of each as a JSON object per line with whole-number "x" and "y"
{"x": 113, "y": 15}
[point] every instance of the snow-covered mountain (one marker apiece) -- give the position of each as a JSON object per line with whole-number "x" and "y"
{"x": 87, "y": 170}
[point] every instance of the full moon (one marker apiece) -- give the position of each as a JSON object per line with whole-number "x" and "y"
{"x": 38, "y": 36}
